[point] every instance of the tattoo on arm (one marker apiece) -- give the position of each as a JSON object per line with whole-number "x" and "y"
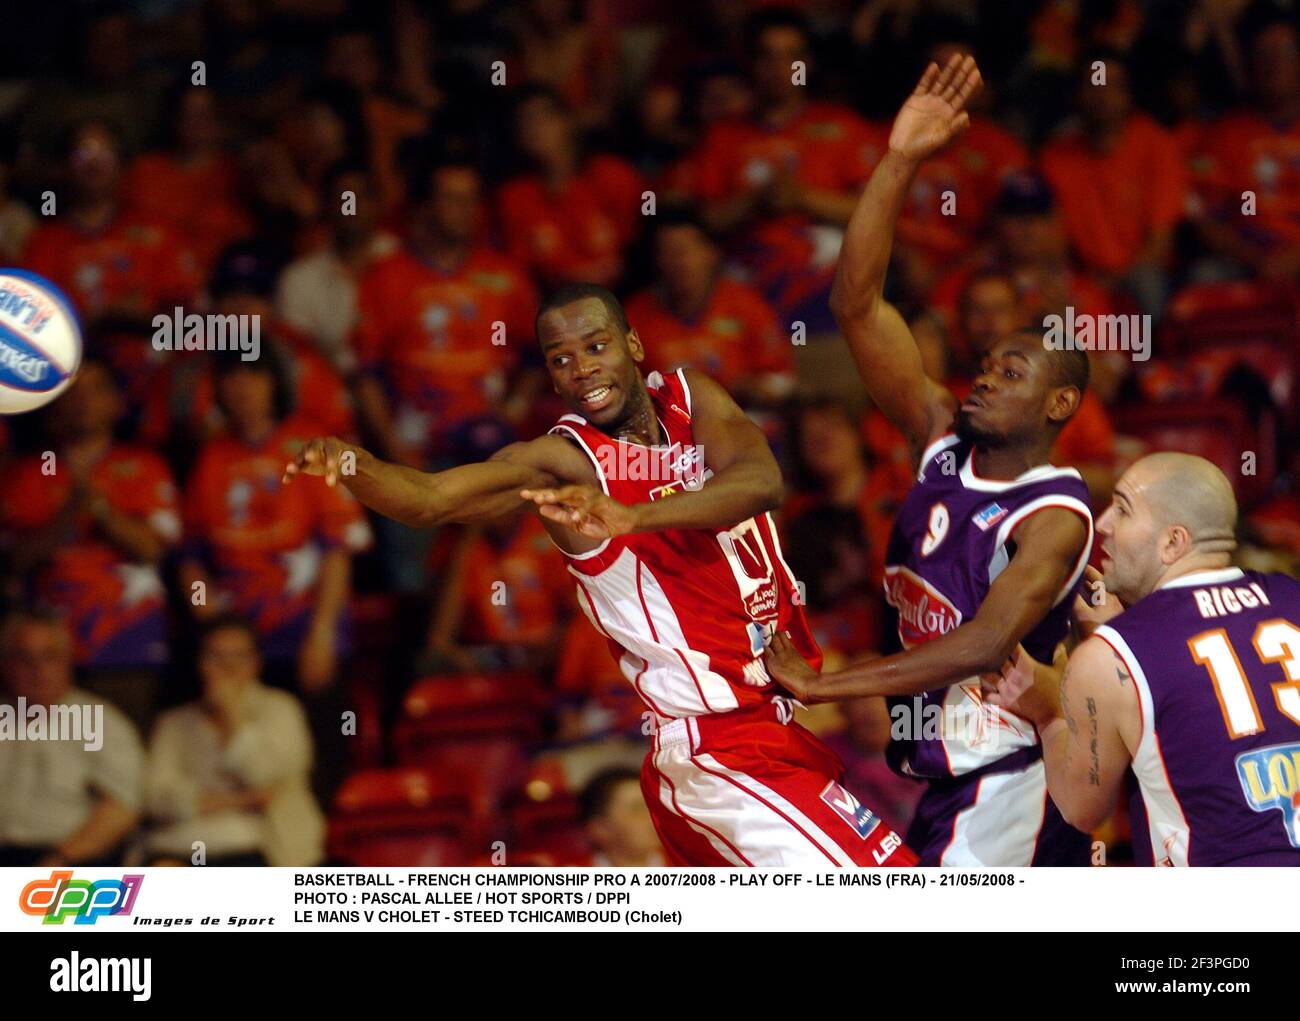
{"x": 1065, "y": 704}
{"x": 1124, "y": 677}
{"x": 1094, "y": 773}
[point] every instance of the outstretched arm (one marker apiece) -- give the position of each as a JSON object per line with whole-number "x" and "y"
{"x": 1048, "y": 547}
{"x": 471, "y": 492}
{"x": 882, "y": 345}
{"x": 746, "y": 479}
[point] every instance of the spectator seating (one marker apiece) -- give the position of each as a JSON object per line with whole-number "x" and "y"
{"x": 405, "y": 816}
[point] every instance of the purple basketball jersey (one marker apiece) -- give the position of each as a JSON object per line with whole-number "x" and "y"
{"x": 1215, "y": 659}
{"x": 951, "y": 539}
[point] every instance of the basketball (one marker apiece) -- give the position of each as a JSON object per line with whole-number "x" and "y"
{"x": 40, "y": 342}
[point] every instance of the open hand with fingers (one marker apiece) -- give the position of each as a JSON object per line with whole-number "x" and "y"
{"x": 789, "y": 669}
{"x": 935, "y": 113}
{"x": 584, "y": 509}
{"x": 1096, "y": 606}
{"x": 327, "y": 457}
{"x": 1028, "y": 687}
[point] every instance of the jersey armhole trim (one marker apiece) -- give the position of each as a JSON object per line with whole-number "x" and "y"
{"x": 1140, "y": 688}
{"x": 1149, "y": 743}
{"x": 1043, "y": 503}
{"x": 686, "y": 392}
{"x": 929, "y": 453}
{"x": 568, "y": 431}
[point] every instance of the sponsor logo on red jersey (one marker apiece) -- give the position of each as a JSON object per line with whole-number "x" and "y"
{"x": 752, "y": 568}
{"x": 848, "y": 808}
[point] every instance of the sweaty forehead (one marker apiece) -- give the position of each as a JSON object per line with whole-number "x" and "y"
{"x": 1023, "y": 347}
{"x": 573, "y": 321}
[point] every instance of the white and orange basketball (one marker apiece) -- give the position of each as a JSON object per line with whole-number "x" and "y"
{"x": 40, "y": 342}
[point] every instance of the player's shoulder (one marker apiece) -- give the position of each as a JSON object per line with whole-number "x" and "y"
{"x": 695, "y": 390}
{"x": 565, "y": 451}
{"x": 1277, "y": 586}
{"x": 942, "y": 458}
{"x": 1095, "y": 654}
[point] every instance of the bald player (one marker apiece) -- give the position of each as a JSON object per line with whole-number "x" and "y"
{"x": 1190, "y": 697}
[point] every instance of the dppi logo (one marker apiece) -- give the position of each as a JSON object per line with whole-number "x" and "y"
{"x": 1270, "y": 778}
{"x": 61, "y": 896}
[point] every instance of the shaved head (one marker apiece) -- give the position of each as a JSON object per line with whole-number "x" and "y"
{"x": 1171, "y": 514}
{"x": 1187, "y": 490}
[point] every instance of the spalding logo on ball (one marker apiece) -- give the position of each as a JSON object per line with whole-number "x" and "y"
{"x": 40, "y": 342}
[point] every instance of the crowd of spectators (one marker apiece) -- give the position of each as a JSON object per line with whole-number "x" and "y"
{"x": 389, "y": 187}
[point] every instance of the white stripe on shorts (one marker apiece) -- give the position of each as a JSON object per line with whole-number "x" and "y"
{"x": 1002, "y": 826}
{"x": 765, "y": 827}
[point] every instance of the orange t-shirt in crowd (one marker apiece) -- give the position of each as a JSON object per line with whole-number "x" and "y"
{"x": 132, "y": 259}
{"x": 428, "y": 336}
{"x": 183, "y": 394}
{"x": 115, "y": 607}
{"x": 1244, "y": 152}
{"x": 199, "y": 201}
{"x": 825, "y": 146}
{"x": 1112, "y": 202}
{"x": 972, "y": 169}
{"x": 528, "y": 610}
{"x": 734, "y": 338}
{"x": 261, "y": 540}
{"x": 578, "y": 233}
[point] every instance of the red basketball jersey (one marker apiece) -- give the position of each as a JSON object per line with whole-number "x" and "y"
{"x": 687, "y": 612}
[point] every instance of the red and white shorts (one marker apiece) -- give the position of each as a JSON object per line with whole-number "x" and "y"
{"x": 750, "y": 788}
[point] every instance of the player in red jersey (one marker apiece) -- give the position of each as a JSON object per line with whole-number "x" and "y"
{"x": 657, "y": 490}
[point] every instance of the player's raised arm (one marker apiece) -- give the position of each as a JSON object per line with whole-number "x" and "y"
{"x": 1049, "y": 545}
{"x": 881, "y": 343}
{"x": 471, "y": 492}
{"x": 1088, "y": 720}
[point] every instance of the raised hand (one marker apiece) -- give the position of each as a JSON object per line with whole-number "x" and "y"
{"x": 583, "y": 509}
{"x": 1028, "y": 687}
{"x": 935, "y": 113}
{"x": 322, "y": 456}
{"x": 1097, "y": 606}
